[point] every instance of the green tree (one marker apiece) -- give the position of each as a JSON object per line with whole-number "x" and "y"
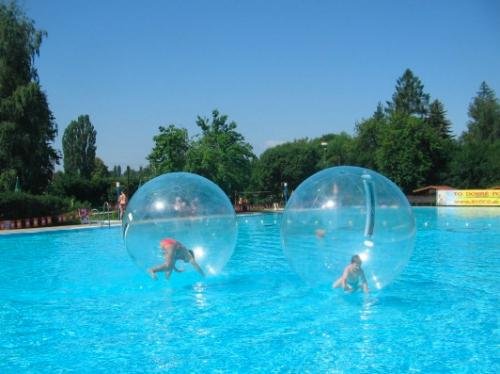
{"x": 170, "y": 150}
{"x": 476, "y": 162}
{"x": 405, "y": 151}
{"x": 409, "y": 97}
{"x": 79, "y": 147}
{"x": 100, "y": 169}
{"x": 338, "y": 150}
{"x": 367, "y": 138}
{"x": 85, "y": 191}
{"x": 290, "y": 162}
{"x": 221, "y": 154}
{"x": 440, "y": 129}
{"x": 484, "y": 114}
{"x": 117, "y": 171}
{"x": 438, "y": 121}
{"x": 27, "y": 126}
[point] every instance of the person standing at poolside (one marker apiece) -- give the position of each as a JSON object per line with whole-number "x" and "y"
{"x": 122, "y": 203}
{"x": 174, "y": 250}
{"x": 353, "y": 277}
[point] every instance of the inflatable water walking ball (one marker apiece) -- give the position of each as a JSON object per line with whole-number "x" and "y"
{"x": 342, "y": 211}
{"x": 185, "y": 207}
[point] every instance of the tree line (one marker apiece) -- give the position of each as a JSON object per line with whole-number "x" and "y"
{"x": 408, "y": 138}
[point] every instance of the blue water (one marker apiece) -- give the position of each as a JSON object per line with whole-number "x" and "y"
{"x": 75, "y": 301}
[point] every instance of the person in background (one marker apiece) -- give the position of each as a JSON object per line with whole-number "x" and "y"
{"x": 122, "y": 203}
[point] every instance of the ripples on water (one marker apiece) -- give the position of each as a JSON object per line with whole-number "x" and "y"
{"x": 76, "y": 301}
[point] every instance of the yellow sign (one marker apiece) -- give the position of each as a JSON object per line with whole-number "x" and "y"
{"x": 468, "y": 197}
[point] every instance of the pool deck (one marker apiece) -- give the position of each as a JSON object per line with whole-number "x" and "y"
{"x": 35, "y": 230}
{"x": 113, "y": 223}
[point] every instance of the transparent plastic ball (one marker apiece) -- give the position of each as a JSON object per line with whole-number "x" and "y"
{"x": 345, "y": 211}
{"x": 185, "y": 207}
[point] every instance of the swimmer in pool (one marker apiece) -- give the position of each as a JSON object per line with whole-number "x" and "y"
{"x": 353, "y": 277}
{"x": 173, "y": 251}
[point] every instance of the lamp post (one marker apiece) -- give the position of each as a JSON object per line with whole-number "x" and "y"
{"x": 117, "y": 191}
{"x": 324, "y": 145}
{"x": 285, "y": 192}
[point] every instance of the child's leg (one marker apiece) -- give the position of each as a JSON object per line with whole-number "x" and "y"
{"x": 167, "y": 266}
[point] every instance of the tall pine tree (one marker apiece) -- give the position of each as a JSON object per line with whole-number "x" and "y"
{"x": 409, "y": 97}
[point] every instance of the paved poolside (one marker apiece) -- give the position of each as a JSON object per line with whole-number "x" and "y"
{"x": 34, "y": 230}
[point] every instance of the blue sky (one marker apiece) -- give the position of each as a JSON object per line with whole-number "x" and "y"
{"x": 283, "y": 70}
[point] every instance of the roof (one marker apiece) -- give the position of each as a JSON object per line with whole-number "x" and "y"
{"x": 431, "y": 188}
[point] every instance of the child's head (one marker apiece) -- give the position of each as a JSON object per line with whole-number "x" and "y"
{"x": 356, "y": 260}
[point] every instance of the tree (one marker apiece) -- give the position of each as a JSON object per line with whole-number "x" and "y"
{"x": 476, "y": 162}
{"x": 484, "y": 114}
{"x": 405, "y": 151}
{"x": 27, "y": 126}
{"x": 409, "y": 97}
{"x": 290, "y": 162}
{"x": 117, "y": 171}
{"x": 100, "y": 169}
{"x": 337, "y": 151}
{"x": 79, "y": 147}
{"x": 170, "y": 150}
{"x": 440, "y": 128}
{"x": 368, "y": 137}
{"x": 438, "y": 121}
{"x": 221, "y": 154}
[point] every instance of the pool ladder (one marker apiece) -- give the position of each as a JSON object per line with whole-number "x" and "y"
{"x": 107, "y": 211}
{"x": 97, "y": 217}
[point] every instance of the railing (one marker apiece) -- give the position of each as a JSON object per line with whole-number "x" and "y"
{"x": 103, "y": 216}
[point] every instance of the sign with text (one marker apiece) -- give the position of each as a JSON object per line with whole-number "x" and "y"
{"x": 468, "y": 197}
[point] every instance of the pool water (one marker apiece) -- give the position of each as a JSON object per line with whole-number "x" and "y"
{"x": 75, "y": 301}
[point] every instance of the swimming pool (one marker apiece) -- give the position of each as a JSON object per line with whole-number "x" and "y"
{"x": 75, "y": 301}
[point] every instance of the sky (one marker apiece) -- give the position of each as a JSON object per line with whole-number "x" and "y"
{"x": 282, "y": 70}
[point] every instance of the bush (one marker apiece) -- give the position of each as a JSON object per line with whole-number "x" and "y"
{"x": 15, "y": 205}
{"x": 91, "y": 192}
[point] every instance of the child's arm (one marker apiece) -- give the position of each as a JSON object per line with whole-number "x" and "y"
{"x": 342, "y": 280}
{"x": 196, "y": 266}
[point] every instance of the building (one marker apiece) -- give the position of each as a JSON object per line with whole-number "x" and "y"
{"x": 426, "y": 195}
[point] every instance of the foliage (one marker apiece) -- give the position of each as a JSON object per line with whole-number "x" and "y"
{"x": 117, "y": 171}
{"x": 412, "y": 143}
{"x": 19, "y": 44}
{"x": 27, "y": 125}
{"x": 476, "y": 162}
{"x": 100, "y": 169}
{"x": 290, "y": 162}
{"x": 79, "y": 147}
{"x": 221, "y": 154}
{"x": 92, "y": 192}
{"x": 440, "y": 131}
{"x": 484, "y": 114}
{"x": 476, "y": 165}
{"x": 367, "y": 139}
{"x": 338, "y": 149}
{"x": 405, "y": 151}
{"x": 409, "y": 97}
{"x": 170, "y": 150}
{"x": 17, "y": 205}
